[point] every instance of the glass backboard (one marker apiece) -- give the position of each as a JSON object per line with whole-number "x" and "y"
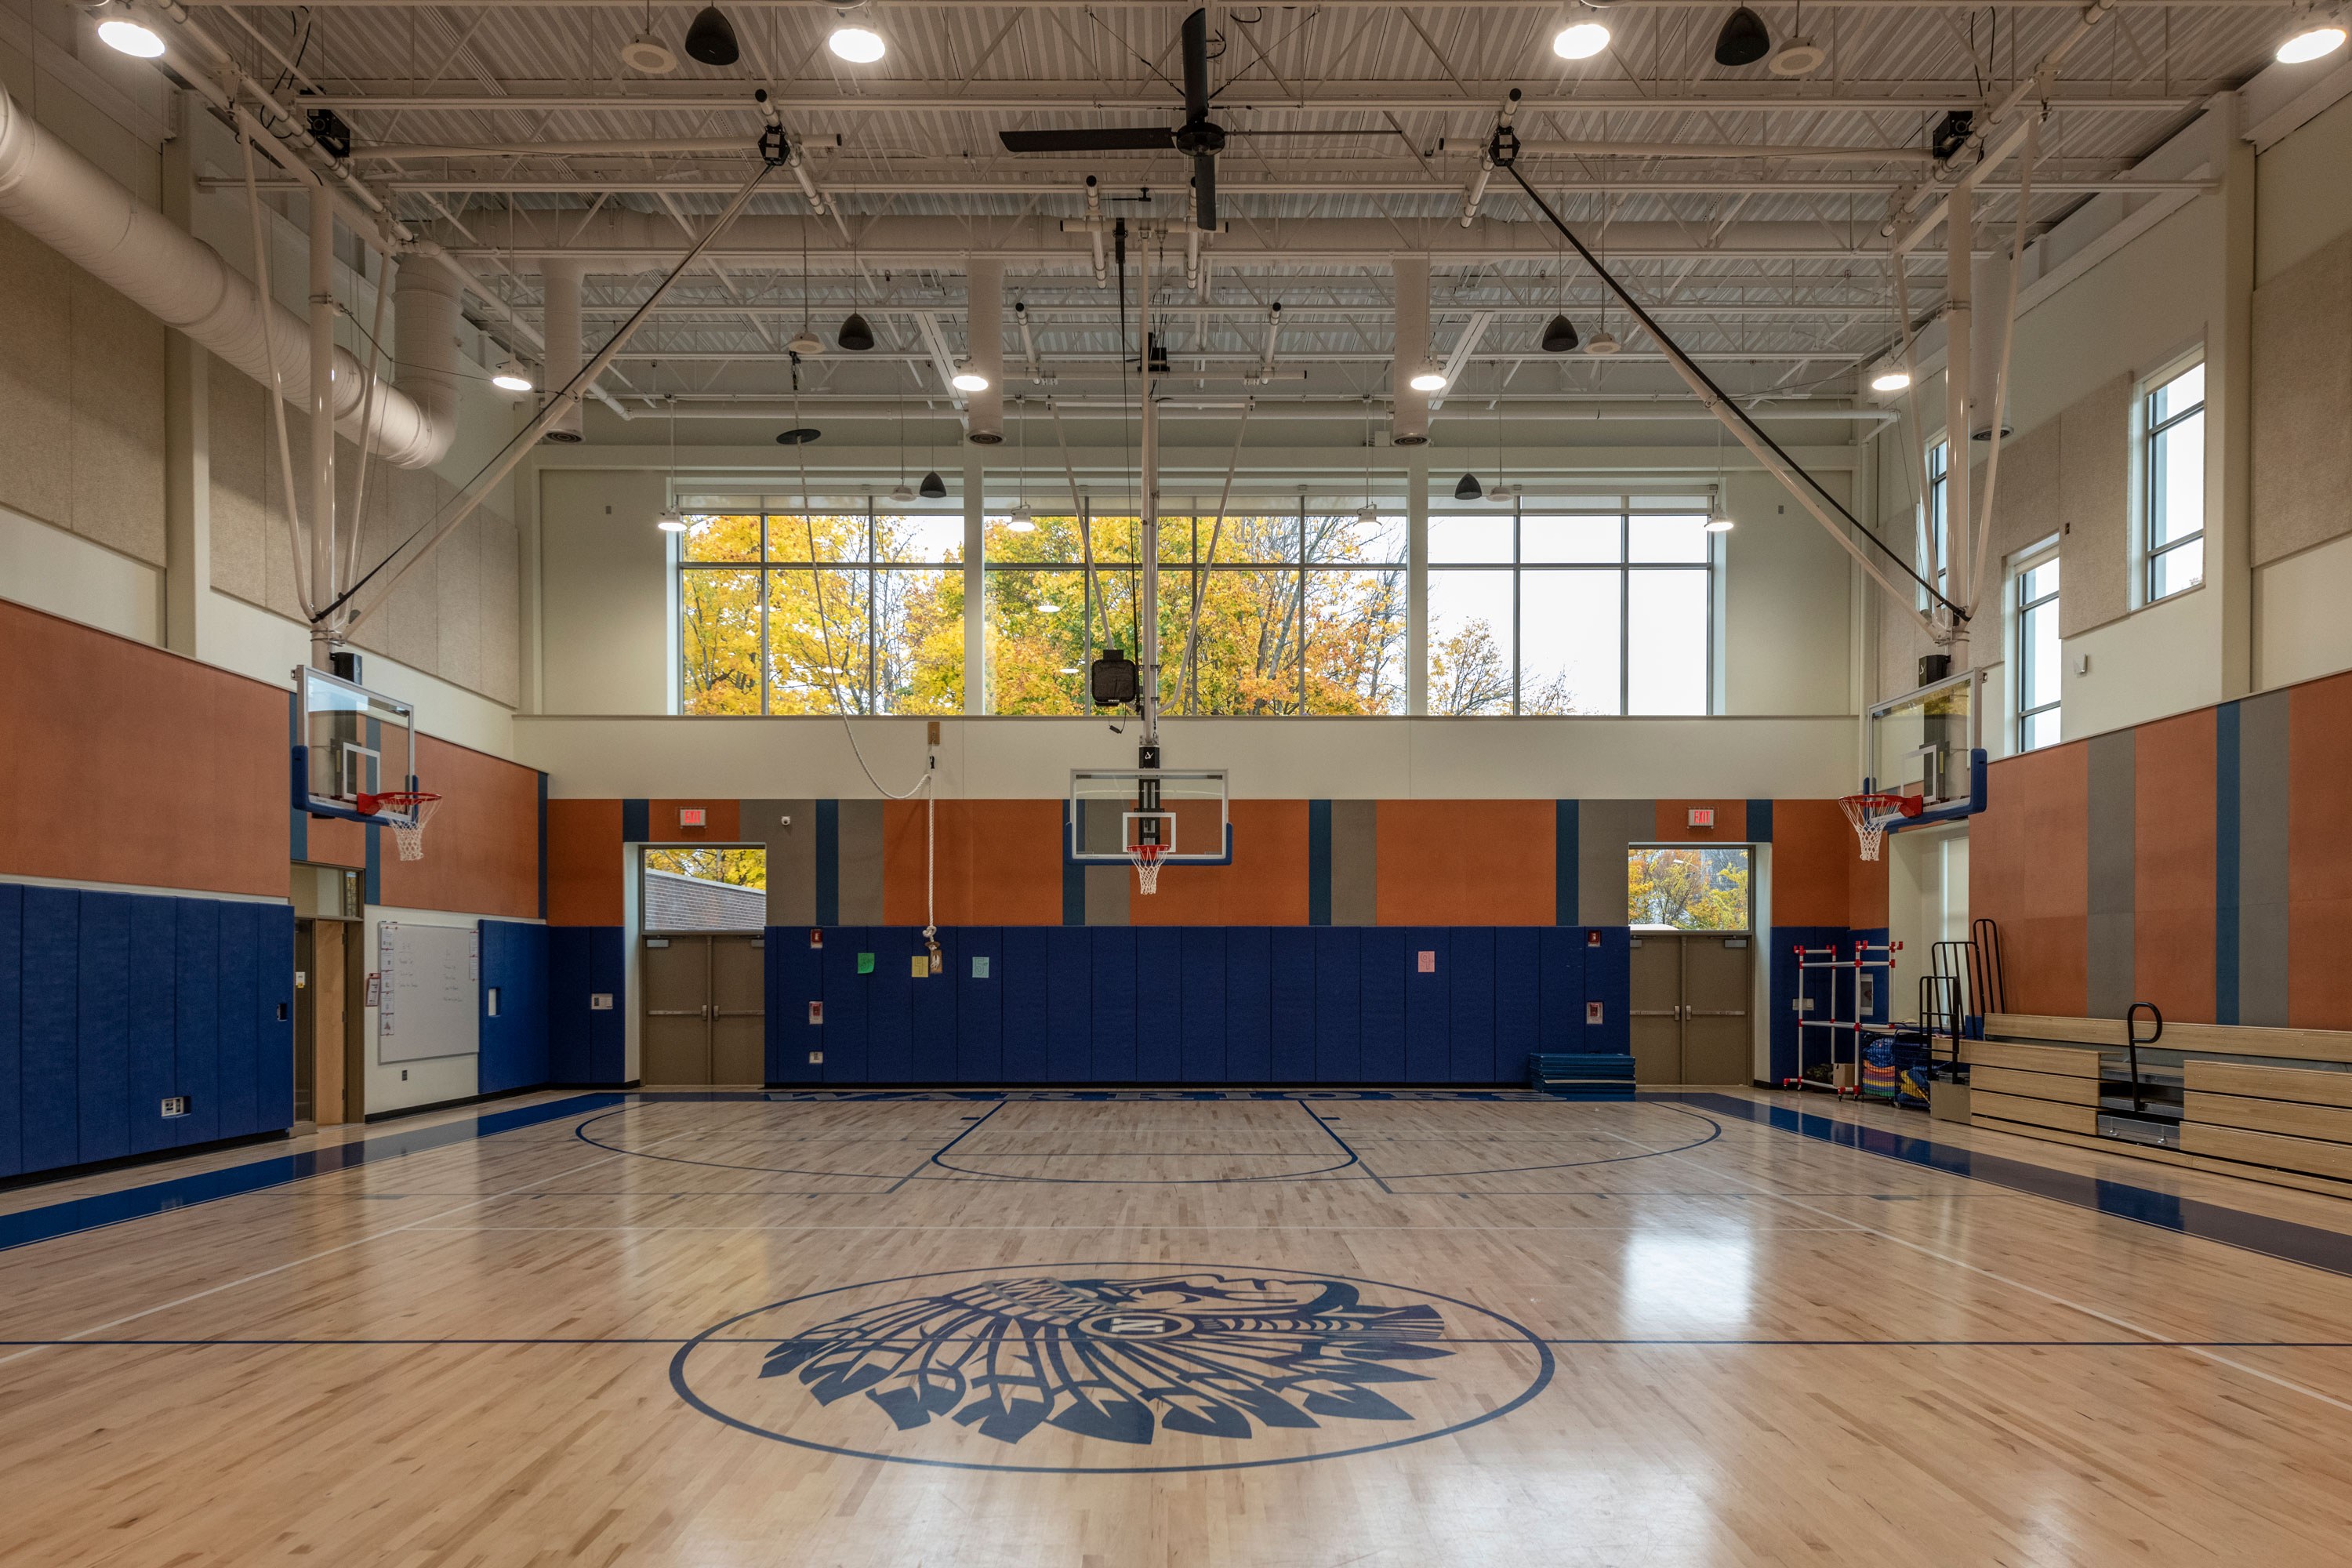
{"x": 349, "y": 741}
{"x": 1922, "y": 742}
{"x": 1184, "y": 811}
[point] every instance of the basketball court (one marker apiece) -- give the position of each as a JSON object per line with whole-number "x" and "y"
{"x": 1149, "y": 786}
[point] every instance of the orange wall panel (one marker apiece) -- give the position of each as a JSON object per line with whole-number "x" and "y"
{"x": 93, "y": 725}
{"x": 999, "y": 862}
{"x": 332, "y": 841}
{"x": 1265, "y": 884}
{"x": 481, "y": 847}
{"x": 1813, "y": 849}
{"x": 1673, "y": 822}
{"x": 1467, "y": 862}
{"x": 2030, "y": 871}
{"x": 721, "y": 822}
{"x": 583, "y": 862}
{"x": 2172, "y": 865}
{"x": 2319, "y": 862}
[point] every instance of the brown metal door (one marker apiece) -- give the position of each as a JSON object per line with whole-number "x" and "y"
{"x": 1656, "y": 1012}
{"x": 738, "y": 1050}
{"x": 675, "y": 1045}
{"x": 1717, "y": 1045}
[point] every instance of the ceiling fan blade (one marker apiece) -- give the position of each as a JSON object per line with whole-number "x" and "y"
{"x": 1196, "y": 65}
{"x": 1204, "y": 192}
{"x": 1117, "y": 139}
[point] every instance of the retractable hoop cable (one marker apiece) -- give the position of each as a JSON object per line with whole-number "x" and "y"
{"x": 1503, "y": 149}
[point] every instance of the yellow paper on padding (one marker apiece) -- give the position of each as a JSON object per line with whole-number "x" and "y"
{"x": 922, "y": 966}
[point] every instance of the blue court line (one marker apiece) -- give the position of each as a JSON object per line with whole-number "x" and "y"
{"x": 26, "y": 1227}
{"x": 2279, "y": 1238}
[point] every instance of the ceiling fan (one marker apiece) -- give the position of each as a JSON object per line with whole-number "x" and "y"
{"x": 1200, "y": 138}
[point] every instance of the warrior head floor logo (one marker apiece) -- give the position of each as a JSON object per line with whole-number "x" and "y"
{"x": 1091, "y": 1367}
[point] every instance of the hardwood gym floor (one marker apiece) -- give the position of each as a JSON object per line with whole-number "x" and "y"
{"x": 1041, "y": 1330}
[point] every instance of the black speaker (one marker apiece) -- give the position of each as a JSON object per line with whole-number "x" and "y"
{"x": 1113, "y": 680}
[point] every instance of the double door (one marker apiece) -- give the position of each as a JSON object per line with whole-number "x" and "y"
{"x": 705, "y": 1022}
{"x": 1690, "y": 1014}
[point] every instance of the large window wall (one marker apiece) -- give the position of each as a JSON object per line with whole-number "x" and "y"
{"x": 1602, "y": 604}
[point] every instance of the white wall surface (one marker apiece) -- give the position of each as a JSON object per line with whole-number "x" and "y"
{"x": 2302, "y": 623}
{"x": 1440, "y": 759}
{"x": 68, "y": 576}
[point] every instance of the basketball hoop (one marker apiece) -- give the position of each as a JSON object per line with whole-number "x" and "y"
{"x": 1147, "y": 866}
{"x": 411, "y": 809}
{"x": 1871, "y": 815}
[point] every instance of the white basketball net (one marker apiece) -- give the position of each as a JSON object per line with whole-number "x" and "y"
{"x": 1147, "y": 868}
{"x": 1872, "y": 833}
{"x": 409, "y": 835}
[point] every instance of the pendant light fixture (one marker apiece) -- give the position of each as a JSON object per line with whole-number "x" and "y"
{"x": 2315, "y": 35}
{"x": 1719, "y": 519}
{"x": 1601, "y": 342}
{"x": 1744, "y": 39}
{"x": 1800, "y": 56}
{"x": 856, "y": 333}
{"x": 901, "y": 492}
{"x": 1502, "y": 491}
{"x": 710, "y": 39}
{"x": 513, "y": 376}
{"x": 1580, "y": 41}
{"x": 1023, "y": 520}
{"x": 934, "y": 487}
{"x": 672, "y": 521}
{"x": 1370, "y": 515}
{"x": 137, "y": 39}
{"x": 1469, "y": 488}
{"x": 1559, "y": 336}
{"x": 647, "y": 55}
{"x": 852, "y": 40}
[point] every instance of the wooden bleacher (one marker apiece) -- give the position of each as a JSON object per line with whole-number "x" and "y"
{"x": 2248, "y": 1109}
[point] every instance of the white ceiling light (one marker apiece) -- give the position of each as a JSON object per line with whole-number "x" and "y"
{"x": 1602, "y": 344}
{"x": 1580, "y": 42}
{"x": 901, "y": 491}
{"x": 1799, "y": 56}
{"x": 1720, "y": 523}
{"x": 671, "y": 521}
{"x": 858, "y": 46}
{"x": 1890, "y": 380}
{"x": 511, "y": 376}
{"x": 967, "y": 379}
{"x": 1023, "y": 520}
{"x": 2310, "y": 42}
{"x": 1370, "y": 515}
{"x": 648, "y": 55}
{"x": 123, "y": 34}
{"x": 805, "y": 343}
{"x": 1428, "y": 378}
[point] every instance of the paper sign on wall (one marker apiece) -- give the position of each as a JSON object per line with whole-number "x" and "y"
{"x": 600, "y": 1001}
{"x": 1428, "y": 960}
{"x": 865, "y": 964}
{"x": 980, "y": 969}
{"x": 922, "y": 966}
{"x": 1592, "y": 1012}
{"x": 816, "y": 1012}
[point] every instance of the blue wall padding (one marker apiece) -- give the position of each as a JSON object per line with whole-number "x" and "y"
{"x": 1249, "y": 1004}
{"x": 1380, "y": 1014}
{"x": 586, "y": 1045}
{"x": 1471, "y": 1032}
{"x": 1823, "y": 987}
{"x": 1292, "y": 1022}
{"x": 102, "y": 1025}
{"x": 1025, "y": 1002}
{"x": 195, "y": 1008}
{"x": 12, "y": 960}
{"x": 1069, "y": 1004}
{"x": 52, "y": 971}
{"x": 1112, "y": 972}
{"x": 1427, "y": 1011}
{"x": 1200, "y": 980}
{"x": 1159, "y": 1002}
{"x": 515, "y": 962}
{"x": 151, "y": 1015}
{"x": 1199, "y": 1004}
{"x": 113, "y": 1003}
{"x": 932, "y": 1007}
{"x": 1339, "y": 1005}
{"x": 980, "y": 1006}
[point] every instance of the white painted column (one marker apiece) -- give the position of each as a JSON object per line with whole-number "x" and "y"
{"x": 984, "y": 346}
{"x": 560, "y": 277}
{"x": 187, "y": 434}
{"x": 1416, "y": 581}
{"x": 1409, "y": 416}
{"x": 2228, "y": 396}
{"x": 975, "y": 583}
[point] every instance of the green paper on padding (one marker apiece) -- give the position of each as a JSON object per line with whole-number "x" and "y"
{"x": 865, "y": 964}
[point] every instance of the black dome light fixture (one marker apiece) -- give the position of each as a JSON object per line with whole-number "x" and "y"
{"x": 1744, "y": 39}
{"x": 710, "y": 39}
{"x": 1559, "y": 336}
{"x": 934, "y": 487}
{"x": 1469, "y": 489}
{"x": 856, "y": 333}
{"x": 799, "y": 435}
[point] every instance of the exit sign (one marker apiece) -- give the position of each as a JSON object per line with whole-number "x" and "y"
{"x": 689, "y": 816}
{"x": 1701, "y": 816}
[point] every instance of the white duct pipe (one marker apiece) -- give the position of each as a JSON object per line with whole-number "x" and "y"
{"x": 1987, "y": 325}
{"x": 984, "y": 335}
{"x": 560, "y": 277}
{"x": 1409, "y": 410}
{"x": 70, "y": 204}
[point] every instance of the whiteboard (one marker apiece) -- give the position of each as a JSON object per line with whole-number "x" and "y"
{"x": 432, "y": 977}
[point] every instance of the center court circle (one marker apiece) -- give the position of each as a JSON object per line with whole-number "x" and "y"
{"x": 1111, "y": 1368}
